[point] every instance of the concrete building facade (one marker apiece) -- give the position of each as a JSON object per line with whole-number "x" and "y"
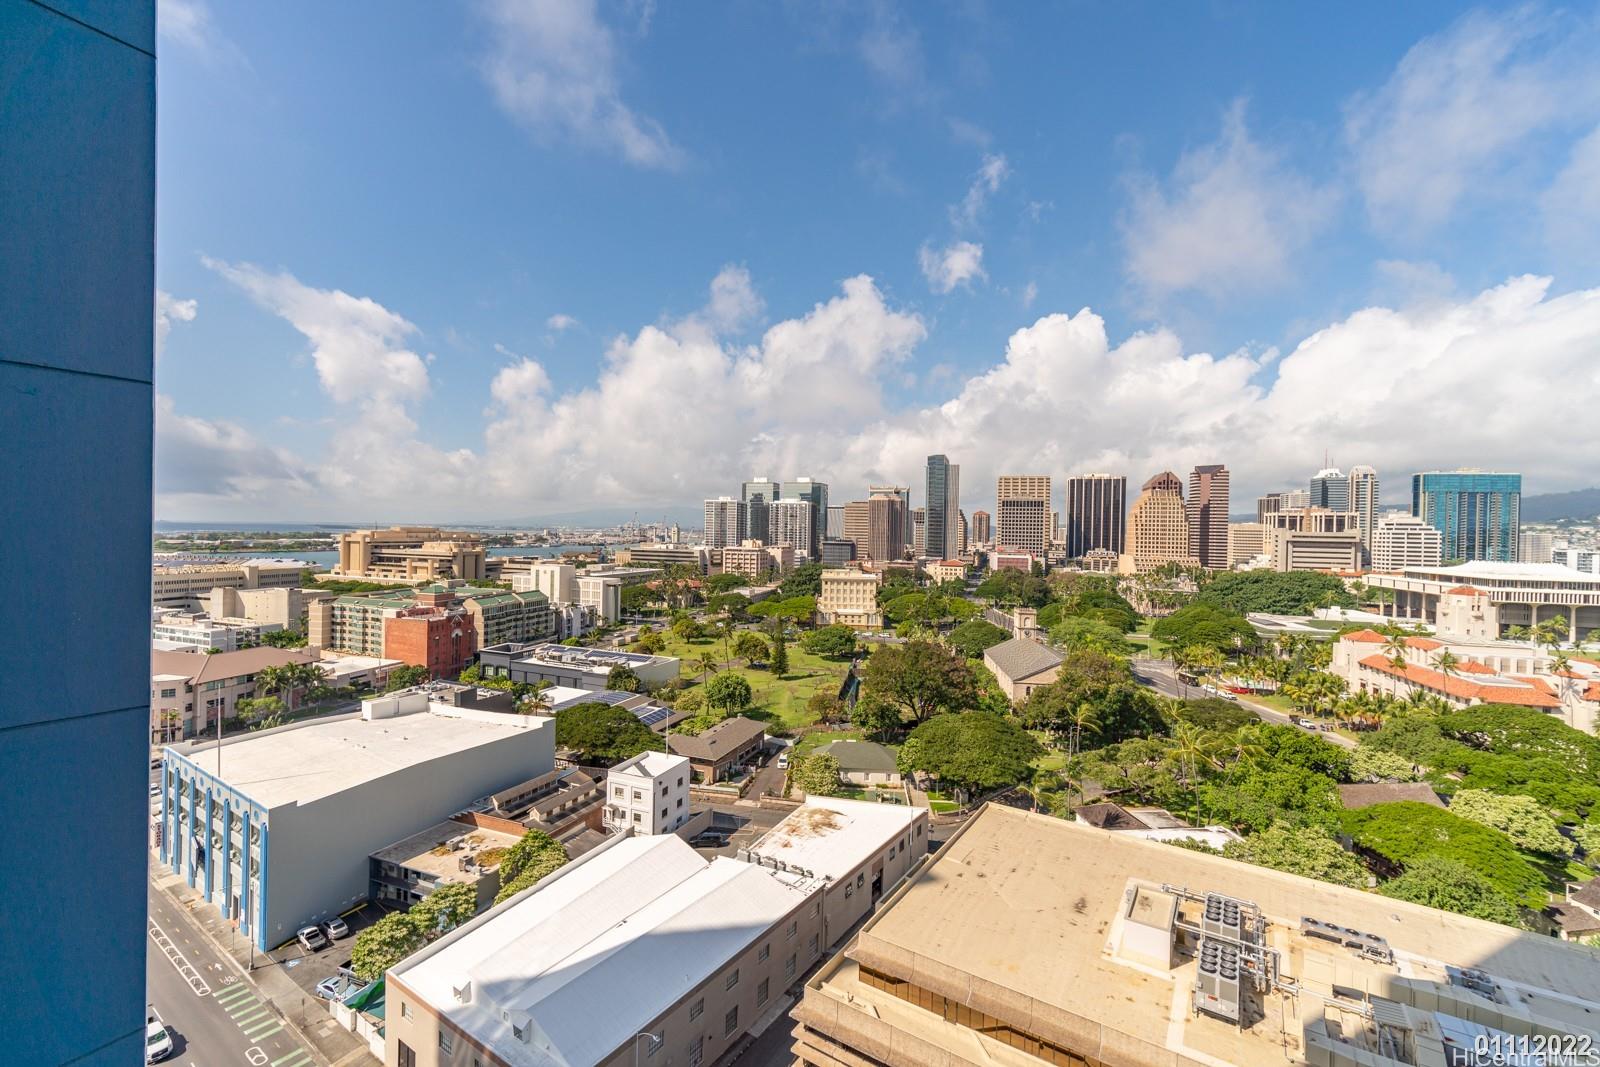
{"x": 757, "y": 494}
{"x": 814, "y": 493}
{"x": 850, "y": 598}
{"x": 1022, "y": 512}
{"x": 877, "y": 526}
{"x": 982, "y": 534}
{"x": 188, "y": 586}
{"x": 411, "y": 554}
{"x": 1294, "y": 550}
{"x": 1208, "y": 515}
{"x": 1401, "y": 540}
{"x": 793, "y": 523}
{"x": 1247, "y": 541}
{"x": 1523, "y": 594}
{"x": 648, "y": 794}
{"x": 1094, "y": 513}
{"x": 276, "y": 827}
{"x": 198, "y": 630}
{"x": 577, "y": 668}
{"x": 727, "y": 522}
{"x": 1158, "y": 527}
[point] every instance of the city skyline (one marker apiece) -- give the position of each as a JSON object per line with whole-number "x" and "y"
{"x": 936, "y": 272}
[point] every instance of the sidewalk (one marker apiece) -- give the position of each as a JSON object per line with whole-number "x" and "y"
{"x": 332, "y": 1044}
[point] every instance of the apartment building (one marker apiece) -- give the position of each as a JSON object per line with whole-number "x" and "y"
{"x": 648, "y": 794}
{"x": 197, "y": 630}
{"x": 850, "y": 598}
{"x": 1271, "y": 503}
{"x": 793, "y": 523}
{"x": 1084, "y": 947}
{"x": 877, "y": 527}
{"x": 1208, "y": 515}
{"x": 758, "y": 561}
{"x": 1478, "y": 513}
{"x": 981, "y": 529}
{"x": 298, "y": 810}
{"x": 814, "y": 493}
{"x": 1401, "y": 540}
{"x": 903, "y": 494}
{"x": 499, "y": 616}
{"x": 188, "y": 586}
{"x": 1246, "y": 542}
{"x": 191, "y": 691}
{"x": 1364, "y": 501}
{"x": 1158, "y": 527}
{"x": 727, "y": 522}
{"x": 1536, "y": 546}
{"x": 411, "y": 554}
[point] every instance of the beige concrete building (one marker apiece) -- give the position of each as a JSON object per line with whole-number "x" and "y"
{"x": 1022, "y": 512}
{"x": 557, "y": 581}
{"x": 1158, "y": 527}
{"x": 411, "y": 554}
{"x": 850, "y": 598}
{"x": 190, "y": 691}
{"x": 1028, "y": 939}
{"x": 1021, "y": 665}
{"x": 946, "y": 570}
{"x": 980, "y": 528}
{"x": 284, "y": 606}
{"x": 1292, "y": 550}
{"x": 877, "y": 525}
{"x": 1207, "y": 504}
{"x": 1402, "y": 540}
{"x": 727, "y": 521}
{"x": 757, "y": 561}
{"x": 1246, "y": 541}
{"x": 187, "y": 586}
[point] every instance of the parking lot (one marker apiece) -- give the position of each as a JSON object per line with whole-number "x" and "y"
{"x": 309, "y": 968}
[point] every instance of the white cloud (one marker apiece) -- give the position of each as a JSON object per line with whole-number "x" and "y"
{"x": 1030, "y": 293}
{"x": 188, "y": 24}
{"x": 958, "y": 264}
{"x": 995, "y": 170}
{"x": 1572, "y": 203}
{"x": 1453, "y": 117}
{"x": 1231, "y": 218}
{"x": 734, "y": 301}
{"x": 559, "y": 322}
{"x": 357, "y": 344}
{"x": 170, "y": 309}
{"x": 553, "y": 67}
{"x": 892, "y": 49}
{"x": 675, "y": 414}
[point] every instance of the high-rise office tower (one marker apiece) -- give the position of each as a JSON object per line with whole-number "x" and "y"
{"x": 1096, "y": 507}
{"x": 1208, "y": 515}
{"x": 1158, "y": 526}
{"x": 943, "y": 503}
{"x": 1022, "y": 512}
{"x": 903, "y": 493}
{"x": 1330, "y": 488}
{"x": 836, "y": 520}
{"x": 77, "y": 274}
{"x": 1536, "y": 546}
{"x": 1363, "y": 495}
{"x": 816, "y": 493}
{"x": 877, "y": 526}
{"x": 1272, "y": 503}
{"x": 1477, "y": 513}
{"x": 757, "y": 493}
{"x": 727, "y": 522}
{"x": 793, "y": 522}
{"x": 961, "y": 531}
{"x": 980, "y": 527}
{"x": 919, "y": 532}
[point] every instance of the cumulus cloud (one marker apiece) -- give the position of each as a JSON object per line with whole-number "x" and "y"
{"x": 734, "y": 301}
{"x": 1229, "y": 219}
{"x": 553, "y": 67}
{"x": 170, "y": 309}
{"x": 357, "y": 344}
{"x": 216, "y": 462}
{"x": 985, "y": 183}
{"x": 676, "y": 413}
{"x": 945, "y": 268}
{"x": 1453, "y": 117}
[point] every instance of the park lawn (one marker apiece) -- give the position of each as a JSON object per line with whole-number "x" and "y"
{"x": 817, "y": 738}
{"x": 939, "y": 804}
{"x": 779, "y": 702}
{"x": 1274, "y": 701}
{"x": 1051, "y": 761}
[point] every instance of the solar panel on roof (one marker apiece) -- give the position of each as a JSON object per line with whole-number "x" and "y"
{"x": 649, "y": 715}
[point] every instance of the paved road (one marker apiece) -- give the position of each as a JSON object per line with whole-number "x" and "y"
{"x": 1160, "y": 677}
{"x": 216, "y": 1018}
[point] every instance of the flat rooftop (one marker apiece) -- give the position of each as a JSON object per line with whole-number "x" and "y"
{"x": 301, "y": 763}
{"x": 599, "y": 660}
{"x": 829, "y": 837}
{"x": 429, "y": 851}
{"x": 1031, "y": 909}
{"x": 1495, "y": 571}
{"x": 598, "y": 951}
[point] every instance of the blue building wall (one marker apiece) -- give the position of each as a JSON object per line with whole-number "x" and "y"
{"x": 1477, "y": 513}
{"x": 77, "y": 248}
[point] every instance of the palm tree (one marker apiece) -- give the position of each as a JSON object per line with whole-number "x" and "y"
{"x": 708, "y": 666}
{"x": 1447, "y": 663}
{"x": 1561, "y": 667}
{"x": 1193, "y": 749}
{"x": 536, "y": 702}
{"x": 1080, "y": 717}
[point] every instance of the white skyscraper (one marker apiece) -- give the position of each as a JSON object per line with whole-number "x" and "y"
{"x": 1362, "y": 494}
{"x": 726, "y": 522}
{"x": 791, "y": 522}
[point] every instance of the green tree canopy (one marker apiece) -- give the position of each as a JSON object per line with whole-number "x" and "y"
{"x": 405, "y": 677}
{"x": 922, "y": 677}
{"x": 284, "y": 639}
{"x": 1407, "y": 831}
{"x": 446, "y": 908}
{"x": 1274, "y": 592}
{"x": 1215, "y": 715}
{"x": 1203, "y": 624}
{"x": 1521, "y": 818}
{"x": 804, "y": 580}
{"x": 976, "y": 751}
{"x": 972, "y": 638}
{"x": 1309, "y": 851}
{"x": 1104, "y": 686}
{"x": 876, "y": 715}
{"x": 1014, "y": 588}
{"x": 817, "y": 774}
{"x": 1368, "y": 764}
{"x": 1439, "y": 882}
{"x": 728, "y": 692}
{"x": 835, "y": 641}
{"x": 624, "y": 679}
{"x": 602, "y": 734}
{"x": 751, "y": 647}
{"x": 384, "y": 944}
{"x": 1080, "y": 632}
{"x": 725, "y": 583}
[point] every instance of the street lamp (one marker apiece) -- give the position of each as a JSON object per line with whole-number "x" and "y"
{"x": 655, "y": 1043}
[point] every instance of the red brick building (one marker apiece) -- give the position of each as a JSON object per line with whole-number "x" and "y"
{"x": 436, "y": 633}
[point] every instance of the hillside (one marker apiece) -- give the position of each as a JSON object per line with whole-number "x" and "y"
{"x": 1548, "y": 507}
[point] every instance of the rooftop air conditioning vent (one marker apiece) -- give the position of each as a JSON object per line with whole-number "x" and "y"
{"x": 462, "y": 991}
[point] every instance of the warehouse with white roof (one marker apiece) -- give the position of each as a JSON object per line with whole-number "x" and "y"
{"x": 298, "y": 810}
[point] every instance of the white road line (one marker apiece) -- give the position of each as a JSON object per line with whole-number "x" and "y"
{"x": 168, "y": 949}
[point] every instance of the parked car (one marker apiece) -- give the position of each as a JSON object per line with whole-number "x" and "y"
{"x": 311, "y": 939}
{"x": 334, "y": 928}
{"x": 783, "y": 760}
{"x": 155, "y": 790}
{"x": 710, "y": 839}
{"x": 157, "y": 1038}
{"x": 336, "y": 988}
{"x": 1307, "y": 723}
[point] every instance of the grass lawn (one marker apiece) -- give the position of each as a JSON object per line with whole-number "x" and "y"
{"x": 779, "y": 702}
{"x": 939, "y": 804}
{"x": 1274, "y": 701}
{"x": 816, "y": 739}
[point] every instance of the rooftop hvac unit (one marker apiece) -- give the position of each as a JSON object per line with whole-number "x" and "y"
{"x": 462, "y": 990}
{"x": 455, "y": 844}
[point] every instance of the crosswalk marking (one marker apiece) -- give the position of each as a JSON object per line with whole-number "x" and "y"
{"x": 266, "y": 1029}
{"x": 241, "y": 1007}
{"x": 245, "y": 1021}
{"x": 298, "y": 1058}
{"x": 233, "y": 992}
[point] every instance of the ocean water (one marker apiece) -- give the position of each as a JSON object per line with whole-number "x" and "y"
{"x": 327, "y": 559}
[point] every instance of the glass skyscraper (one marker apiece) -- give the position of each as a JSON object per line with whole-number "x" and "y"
{"x": 817, "y": 494}
{"x": 943, "y": 501}
{"x": 1478, "y": 513}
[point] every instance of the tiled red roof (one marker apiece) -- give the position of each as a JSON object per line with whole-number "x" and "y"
{"x": 1464, "y": 688}
{"x": 1538, "y": 683}
{"x": 1464, "y": 590}
{"x": 1474, "y": 667}
{"x": 1593, "y": 692}
{"x": 1427, "y": 644}
{"x": 1365, "y": 637}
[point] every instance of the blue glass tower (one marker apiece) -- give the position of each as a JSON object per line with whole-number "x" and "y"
{"x": 1477, "y": 512}
{"x": 77, "y": 296}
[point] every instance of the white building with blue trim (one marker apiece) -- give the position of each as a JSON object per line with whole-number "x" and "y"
{"x": 298, "y": 810}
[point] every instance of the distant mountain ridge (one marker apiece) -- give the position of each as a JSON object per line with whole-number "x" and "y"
{"x": 1548, "y": 507}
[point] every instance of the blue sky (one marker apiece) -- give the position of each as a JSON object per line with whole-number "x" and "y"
{"x": 457, "y": 261}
